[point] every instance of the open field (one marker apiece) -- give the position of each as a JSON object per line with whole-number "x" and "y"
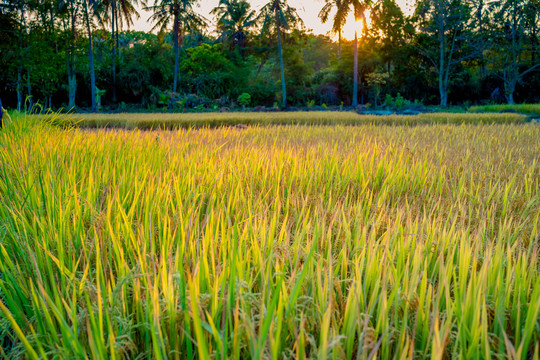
{"x": 276, "y": 242}
{"x": 145, "y": 121}
{"x": 533, "y": 109}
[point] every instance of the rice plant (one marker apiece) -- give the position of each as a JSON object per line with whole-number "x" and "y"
{"x": 270, "y": 242}
{"x": 533, "y": 109}
{"x": 146, "y": 121}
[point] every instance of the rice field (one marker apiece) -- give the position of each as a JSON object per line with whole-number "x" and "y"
{"x": 533, "y": 109}
{"x": 281, "y": 242}
{"x": 146, "y": 121}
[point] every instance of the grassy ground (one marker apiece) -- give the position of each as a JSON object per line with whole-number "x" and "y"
{"x": 190, "y": 120}
{"x": 532, "y": 109}
{"x": 281, "y": 242}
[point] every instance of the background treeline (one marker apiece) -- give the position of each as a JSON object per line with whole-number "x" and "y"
{"x": 80, "y": 53}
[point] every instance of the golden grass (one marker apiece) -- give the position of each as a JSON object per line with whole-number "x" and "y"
{"x": 281, "y": 242}
{"x": 190, "y": 120}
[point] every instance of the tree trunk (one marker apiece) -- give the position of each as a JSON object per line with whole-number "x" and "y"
{"x": 176, "y": 51}
{"x": 444, "y": 97}
{"x": 29, "y": 89}
{"x": 117, "y": 59}
{"x": 513, "y": 74}
{"x": 283, "y": 86}
{"x": 70, "y": 62}
{"x": 113, "y": 15}
{"x": 510, "y": 98}
{"x": 19, "y": 87}
{"x": 20, "y": 67}
{"x": 91, "y": 58}
{"x": 534, "y": 38}
{"x": 510, "y": 82}
{"x": 355, "y": 73}
{"x": 442, "y": 89}
{"x": 72, "y": 88}
{"x": 339, "y": 45}
{"x": 362, "y": 90}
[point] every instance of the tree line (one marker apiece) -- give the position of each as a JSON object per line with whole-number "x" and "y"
{"x": 82, "y": 53}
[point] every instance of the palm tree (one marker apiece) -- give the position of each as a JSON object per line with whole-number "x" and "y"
{"x": 183, "y": 18}
{"x": 90, "y": 11}
{"x": 234, "y": 17}
{"x": 278, "y": 14}
{"x": 359, "y": 7}
{"x": 22, "y": 8}
{"x": 67, "y": 11}
{"x": 339, "y": 18}
{"x": 120, "y": 11}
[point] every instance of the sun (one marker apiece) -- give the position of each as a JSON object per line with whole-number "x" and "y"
{"x": 351, "y": 25}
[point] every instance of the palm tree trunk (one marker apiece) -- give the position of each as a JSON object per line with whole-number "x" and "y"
{"x": 19, "y": 82}
{"x": 70, "y": 59}
{"x": 355, "y": 75}
{"x": 20, "y": 67}
{"x": 91, "y": 58}
{"x": 283, "y": 87}
{"x": 113, "y": 15}
{"x": 29, "y": 89}
{"x": 339, "y": 45}
{"x": 28, "y": 77}
{"x": 176, "y": 51}
{"x": 72, "y": 78}
{"x": 117, "y": 43}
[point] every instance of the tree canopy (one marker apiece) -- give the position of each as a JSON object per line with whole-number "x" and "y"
{"x": 59, "y": 53}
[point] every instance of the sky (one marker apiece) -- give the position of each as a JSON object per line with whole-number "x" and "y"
{"x": 307, "y": 9}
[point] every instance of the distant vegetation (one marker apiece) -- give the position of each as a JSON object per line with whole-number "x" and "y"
{"x": 81, "y": 54}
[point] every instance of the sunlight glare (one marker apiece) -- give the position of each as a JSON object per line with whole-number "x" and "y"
{"x": 351, "y": 25}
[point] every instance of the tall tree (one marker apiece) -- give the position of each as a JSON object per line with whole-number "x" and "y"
{"x": 69, "y": 14}
{"x": 234, "y": 18}
{"x": 279, "y": 16}
{"x": 21, "y": 7}
{"x": 445, "y": 37}
{"x": 339, "y": 19}
{"x": 513, "y": 52}
{"x": 388, "y": 27}
{"x": 359, "y": 8}
{"x": 183, "y": 18}
{"x": 90, "y": 11}
{"x": 480, "y": 16}
{"x": 120, "y": 12}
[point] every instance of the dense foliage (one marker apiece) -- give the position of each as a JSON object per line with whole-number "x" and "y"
{"x": 445, "y": 52}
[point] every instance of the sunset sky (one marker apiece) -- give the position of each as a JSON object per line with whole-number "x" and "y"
{"x": 308, "y": 11}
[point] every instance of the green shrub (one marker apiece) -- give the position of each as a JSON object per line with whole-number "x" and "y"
{"x": 389, "y": 101}
{"x": 244, "y": 99}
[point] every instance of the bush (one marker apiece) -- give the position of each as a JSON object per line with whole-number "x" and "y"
{"x": 400, "y": 102}
{"x": 244, "y": 99}
{"x": 389, "y": 101}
